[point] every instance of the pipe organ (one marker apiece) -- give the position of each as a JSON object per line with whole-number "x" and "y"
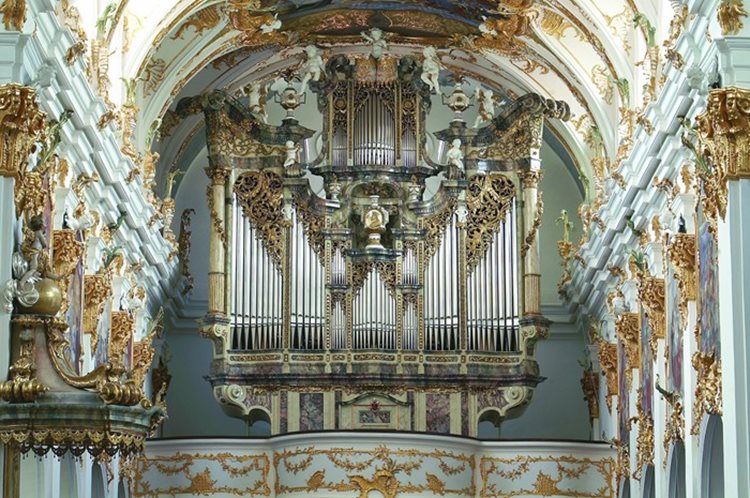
{"x": 371, "y": 294}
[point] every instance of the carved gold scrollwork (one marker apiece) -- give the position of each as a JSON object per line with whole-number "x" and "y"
{"x": 489, "y": 198}
{"x": 682, "y": 256}
{"x": 227, "y": 138}
{"x": 590, "y": 386}
{"x": 724, "y": 132}
{"x": 120, "y": 332}
{"x": 435, "y": 225}
{"x": 260, "y": 194}
{"x": 22, "y": 385}
{"x": 21, "y": 123}
{"x": 66, "y": 254}
{"x": 708, "y": 389}
{"x": 645, "y": 439}
{"x": 96, "y": 290}
{"x": 607, "y": 354}
{"x": 729, "y": 15}
{"x": 313, "y": 223}
{"x": 651, "y": 292}
{"x": 183, "y": 250}
{"x": 628, "y": 327}
{"x": 522, "y": 140}
{"x": 386, "y": 270}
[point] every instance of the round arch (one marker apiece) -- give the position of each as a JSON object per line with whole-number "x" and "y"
{"x": 677, "y": 488}
{"x": 712, "y": 458}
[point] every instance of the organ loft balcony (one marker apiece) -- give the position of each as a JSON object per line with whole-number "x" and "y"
{"x": 368, "y": 266}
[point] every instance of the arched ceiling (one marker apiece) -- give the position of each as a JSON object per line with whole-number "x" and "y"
{"x": 589, "y": 53}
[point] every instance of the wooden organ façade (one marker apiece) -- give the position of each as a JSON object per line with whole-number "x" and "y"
{"x": 371, "y": 284}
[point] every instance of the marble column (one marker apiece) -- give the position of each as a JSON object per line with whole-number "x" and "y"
{"x": 532, "y": 217}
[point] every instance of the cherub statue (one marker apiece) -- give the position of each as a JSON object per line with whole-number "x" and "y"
{"x": 271, "y": 26}
{"x": 34, "y": 250}
{"x": 257, "y": 94}
{"x": 486, "y": 103}
{"x": 431, "y": 69}
{"x": 455, "y": 156}
{"x": 292, "y": 155}
{"x": 377, "y": 38}
{"x": 567, "y": 225}
{"x": 313, "y": 68}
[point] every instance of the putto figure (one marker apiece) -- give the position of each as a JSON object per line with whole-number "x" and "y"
{"x": 377, "y": 38}
{"x": 257, "y": 94}
{"x": 486, "y": 102}
{"x": 431, "y": 69}
{"x": 313, "y": 68}
{"x": 292, "y": 159}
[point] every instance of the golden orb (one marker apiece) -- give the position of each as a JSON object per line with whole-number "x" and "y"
{"x": 50, "y": 299}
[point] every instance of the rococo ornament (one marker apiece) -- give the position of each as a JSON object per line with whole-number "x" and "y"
{"x": 21, "y": 122}
{"x": 627, "y": 327}
{"x": 708, "y": 397}
{"x": 682, "y": 253}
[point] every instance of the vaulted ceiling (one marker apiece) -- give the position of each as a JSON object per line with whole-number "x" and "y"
{"x": 592, "y": 54}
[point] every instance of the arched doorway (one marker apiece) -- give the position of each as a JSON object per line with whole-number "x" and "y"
{"x": 488, "y": 424}
{"x": 677, "y": 488}
{"x": 712, "y": 466}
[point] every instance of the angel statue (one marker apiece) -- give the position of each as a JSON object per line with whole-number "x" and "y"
{"x": 431, "y": 69}
{"x": 292, "y": 156}
{"x": 26, "y": 268}
{"x": 486, "y": 101}
{"x": 313, "y": 68}
{"x": 564, "y": 218}
{"x": 272, "y": 25}
{"x": 257, "y": 94}
{"x": 455, "y": 158}
{"x": 377, "y": 38}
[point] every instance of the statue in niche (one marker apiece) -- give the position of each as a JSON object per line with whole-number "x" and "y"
{"x": 313, "y": 68}
{"x": 455, "y": 160}
{"x": 292, "y": 159}
{"x": 431, "y": 69}
{"x": 486, "y": 103}
{"x": 376, "y": 37}
{"x": 376, "y": 218}
{"x": 564, "y": 220}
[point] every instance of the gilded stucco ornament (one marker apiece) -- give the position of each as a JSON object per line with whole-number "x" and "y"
{"x": 184, "y": 245}
{"x": 644, "y": 440}
{"x": 674, "y": 428}
{"x": 651, "y": 292}
{"x": 66, "y": 254}
{"x": 489, "y": 199}
{"x": 22, "y": 385}
{"x": 607, "y": 355}
{"x": 14, "y": 14}
{"x": 96, "y": 289}
{"x": 730, "y": 14}
{"x": 627, "y": 328}
{"x": 682, "y": 254}
{"x": 708, "y": 397}
{"x": 21, "y": 123}
{"x": 590, "y": 387}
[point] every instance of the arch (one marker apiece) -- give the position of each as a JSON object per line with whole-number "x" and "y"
{"x": 98, "y": 488}
{"x": 258, "y": 422}
{"x": 677, "y": 488}
{"x": 648, "y": 484}
{"x": 489, "y": 423}
{"x": 122, "y": 490}
{"x": 712, "y": 462}
{"x": 68, "y": 477}
{"x": 625, "y": 489}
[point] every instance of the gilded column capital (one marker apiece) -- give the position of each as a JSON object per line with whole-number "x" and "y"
{"x": 218, "y": 174}
{"x": 21, "y": 123}
{"x": 530, "y": 178}
{"x": 724, "y": 131}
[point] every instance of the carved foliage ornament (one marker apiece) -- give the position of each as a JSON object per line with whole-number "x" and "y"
{"x": 14, "y": 14}
{"x": 708, "y": 389}
{"x": 627, "y": 327}
{"x": 489, "y": 199}
{"x": 724, "y": 132}
{"x": 260, "y": 194}
{"x": 607, "y": 354}
{"x": 21, "y": 123}
{"x": 682, "y": 255}
{"x": 435, "y": 227}
{"x": 590, "y": 386}
{"x": 96, "y": 290}
{"x": 651, "y": 292}
{"x": 730, "y": 14}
